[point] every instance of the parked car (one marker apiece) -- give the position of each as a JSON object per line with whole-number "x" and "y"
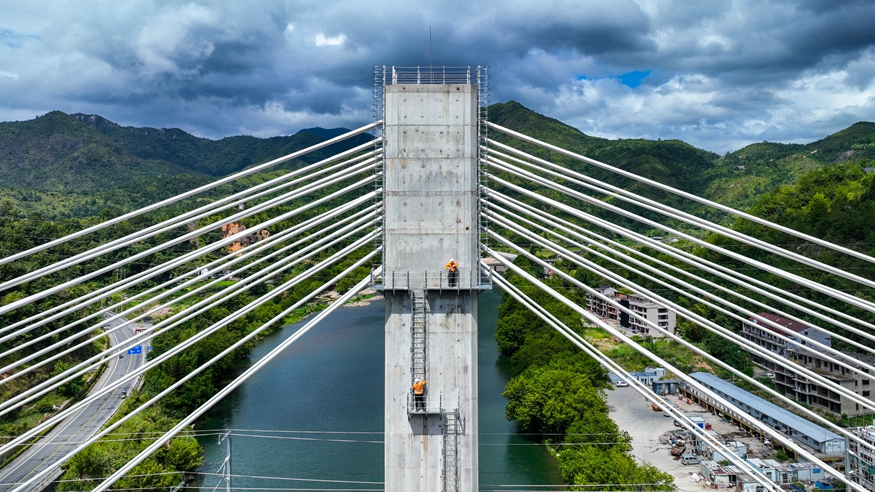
{"x": 622, "y": 384}
{"x": 690, "y": 459}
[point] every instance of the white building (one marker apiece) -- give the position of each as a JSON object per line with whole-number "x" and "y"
{"x": 641, "y": 306}
{"x": 654, "y": 312}
{"x": 764, "y": 335}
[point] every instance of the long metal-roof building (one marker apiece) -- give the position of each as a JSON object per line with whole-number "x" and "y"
{"x": 798, "y": 428}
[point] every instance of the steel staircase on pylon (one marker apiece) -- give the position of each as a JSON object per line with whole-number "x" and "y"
{"x": 452, "y": 427}
{"x": 418, "y": 354}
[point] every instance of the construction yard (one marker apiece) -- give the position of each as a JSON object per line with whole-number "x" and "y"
{"x": 635, "y": 415}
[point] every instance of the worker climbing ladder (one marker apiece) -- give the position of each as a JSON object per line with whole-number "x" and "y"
{"x": 451, "y": 430}
{"x": 418, "y": 341}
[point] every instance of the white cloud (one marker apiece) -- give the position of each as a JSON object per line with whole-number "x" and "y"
{"x": 722, "y": 73}
{"x": 321, "y": 40}
{"x": 176, "y": 41}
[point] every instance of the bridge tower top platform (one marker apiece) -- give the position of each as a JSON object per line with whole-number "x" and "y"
{"x": 431, "y": 127}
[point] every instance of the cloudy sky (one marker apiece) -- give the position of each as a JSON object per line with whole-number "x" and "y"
{"x": 718, "y": 74}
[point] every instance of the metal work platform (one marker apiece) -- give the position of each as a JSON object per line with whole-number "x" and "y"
{"x": 473, "y": 279}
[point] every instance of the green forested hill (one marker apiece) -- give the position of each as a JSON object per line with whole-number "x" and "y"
{"x": 740, "y": 178}
{"x": 737, "y": 179}
{"x": 202, "y": 155}
{"x": 668, "y": 161}
{"x": 74, "y": 165}
{"x": 87, "y": 153}
{"x": 56, "y": 152}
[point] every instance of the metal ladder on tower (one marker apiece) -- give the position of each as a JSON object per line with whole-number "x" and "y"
{"x": 417, "y": 336}
{"x": 452, "y": 425}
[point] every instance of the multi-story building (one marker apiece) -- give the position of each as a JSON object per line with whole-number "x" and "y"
{"x": 790, "y": 383}
{"x": 654, "y": 312}
{"x": 764, "y": 336}
{"x": 794, "y": 385}
{"x": 602, "y": 308}
{"x": 861, "y": 460}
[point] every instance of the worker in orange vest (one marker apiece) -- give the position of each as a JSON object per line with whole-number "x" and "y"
{"x": 453, "y": 268}
{"x": 419, "y": 394}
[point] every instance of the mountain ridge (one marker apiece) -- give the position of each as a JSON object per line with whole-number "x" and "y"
{"x": 736, "y": 179}
{"x": 86, "y": 153}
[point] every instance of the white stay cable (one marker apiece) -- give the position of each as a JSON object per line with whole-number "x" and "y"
{"x": 185, "y": 344}
{"x": 190, "y": 193}
{"x": 639, "y": 387}
{"x": 245, "y": 255}
{"x": 673, "y": 283}
{"x": 671, "y": 213}
{"x": 599, "y": 241}
{"x": 668, "y": 333}
{"x": 53, "y": 383}
{"x": 576, "y": 259}
{"x": 749, "y": 283}
{"x": 306, "y": 189}
{"x": 842, "y": 296}
{"x": 678, "y": 192}
{"x": 209, "y": 210}
{"x": 316, "y": 185}
{"x": 602, "y": 242}
{"x": 121, "y": 285}
{"x": 654, "y": 206}
{"x": 200, "y": 306}
{"x": 191, "y": 418}
{"x": 616, "y": 278}
{"x": 777, "y": 437}
{"x": 193, "y": 310}
{"x": 269, "y": 222}
{"x": 715, "y": 328}
{"x": 204, "y": 366}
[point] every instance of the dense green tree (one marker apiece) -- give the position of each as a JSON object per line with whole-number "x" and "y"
{"x": 73, "y": 387}
{"x": 549, "y": 400}
{"x": 611, "y": 469}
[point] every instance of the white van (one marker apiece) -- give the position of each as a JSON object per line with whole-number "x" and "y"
{"x": 690, "y": 459}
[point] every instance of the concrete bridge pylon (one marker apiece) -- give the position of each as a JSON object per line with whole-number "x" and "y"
{"x": 431, "y": 178}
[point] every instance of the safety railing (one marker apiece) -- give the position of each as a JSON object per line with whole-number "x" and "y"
{"x": 464, "y": 279}
{"x": 426, "y": 406}
{"x": 431, "y": 75}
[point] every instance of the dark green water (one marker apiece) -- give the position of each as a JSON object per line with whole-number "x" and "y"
{"x": 331, "y": 381}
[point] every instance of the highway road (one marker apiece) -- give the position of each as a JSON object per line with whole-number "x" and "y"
{"x": 50, "y": 450}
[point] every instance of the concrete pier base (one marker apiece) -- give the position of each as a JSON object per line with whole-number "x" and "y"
{"x": 415, "y": 441}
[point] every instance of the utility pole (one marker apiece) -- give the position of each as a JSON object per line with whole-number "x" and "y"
{"x": 227, "y": 464}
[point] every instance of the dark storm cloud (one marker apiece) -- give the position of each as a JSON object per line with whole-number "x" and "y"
{"x": 720, "y": 73}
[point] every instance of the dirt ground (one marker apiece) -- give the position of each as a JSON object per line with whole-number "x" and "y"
{"x": 633, "y": 414}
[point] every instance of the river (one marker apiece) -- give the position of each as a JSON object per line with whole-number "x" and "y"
{"x": 325, "y": 393}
